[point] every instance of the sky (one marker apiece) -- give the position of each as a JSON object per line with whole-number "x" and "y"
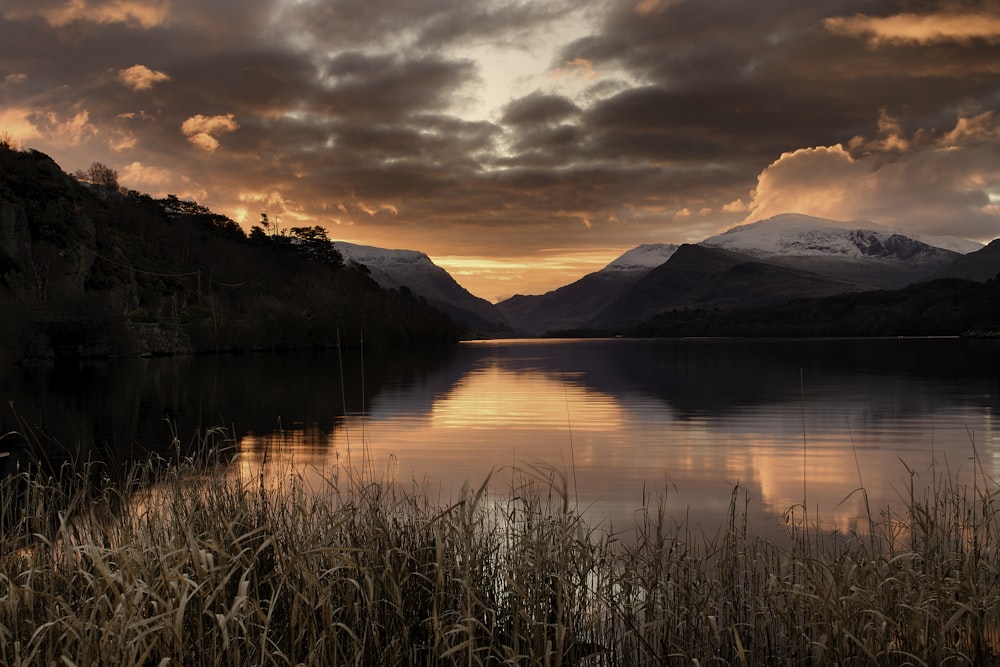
{"x": 522, "y": 144}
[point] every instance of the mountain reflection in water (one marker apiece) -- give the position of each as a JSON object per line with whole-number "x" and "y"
{"x": 622, "y": 420}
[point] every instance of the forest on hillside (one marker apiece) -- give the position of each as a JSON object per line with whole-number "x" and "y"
{"x": 89, "y": 269}
{"x": 944, "y": 307}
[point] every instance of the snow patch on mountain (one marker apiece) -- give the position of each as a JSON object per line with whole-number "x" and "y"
{"x": 390, "y": 268}
{"x": 414, "y": 270}
{"x": 643, "y": 258}
{"x": 794, "y": 234}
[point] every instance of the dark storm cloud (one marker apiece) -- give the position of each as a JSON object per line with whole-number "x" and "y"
{"x": 422, "y": 24}
{"x": 539, "y": 108}
{"x": 384, "y": 87}
{"x": 774, "y": 69}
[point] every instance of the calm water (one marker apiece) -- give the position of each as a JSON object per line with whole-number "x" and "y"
{"x": 681, "y": 420}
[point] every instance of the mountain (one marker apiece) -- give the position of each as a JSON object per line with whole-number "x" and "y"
{"x": 789, "y": 256}
{"x": 414, "y": 271}
{"x": 857, "y": 252}
{"x": 574, "y": 305}
{"x": 980, "y": 266}
{"x": 701, "y": 276}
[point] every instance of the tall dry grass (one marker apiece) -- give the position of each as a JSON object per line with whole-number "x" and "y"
{"x": 196, "y": 566}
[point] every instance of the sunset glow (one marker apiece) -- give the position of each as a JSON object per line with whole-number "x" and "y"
{"x": 487, "y": 134}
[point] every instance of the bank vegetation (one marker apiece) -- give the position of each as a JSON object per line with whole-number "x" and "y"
{"x": 188, "y": 564}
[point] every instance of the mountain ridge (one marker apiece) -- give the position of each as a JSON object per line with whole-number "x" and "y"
{"x": 789, "y": 256}
{"x": 416, "y": 272}
{"x": 575, "y": 304}
{"x": 698, "y": 276}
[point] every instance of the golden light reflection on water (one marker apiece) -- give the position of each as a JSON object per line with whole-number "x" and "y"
{"x": 619, "y": 450}
{"x": 494, "y": 398}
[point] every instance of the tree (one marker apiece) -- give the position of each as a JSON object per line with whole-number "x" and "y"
{"x": 102, "y": 177}
{"x": 272, "y": 227}
{"x": 8, "y": 141}
{"x": 313, "y": 243}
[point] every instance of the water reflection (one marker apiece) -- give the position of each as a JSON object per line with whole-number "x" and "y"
{"x": 792, "y": 422}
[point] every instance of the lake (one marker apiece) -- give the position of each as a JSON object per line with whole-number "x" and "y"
{"x": 682, "y": 421}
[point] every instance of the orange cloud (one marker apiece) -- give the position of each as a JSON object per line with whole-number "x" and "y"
{"x": 579, "y": 68}
{"x": 818, "y": 181}
{"x": 25, "y": 123}
{"x": 949, "y": 180}
{"x": 148, "y": 178}
{"x": 145, "y": 14}
{"x": 918, "y": 28}
{"x": 890, "y": 137}
{"x": 985, "y": 126}
{"x": 735, "y": 206}
{"x": 648, "y": 7}
{"x": 200, "y": 130}
{"x": 15, "y": 122}
{"x": 123, "y": 141}
{"x": 140, "y": 77}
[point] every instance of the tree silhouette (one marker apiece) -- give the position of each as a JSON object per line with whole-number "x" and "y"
{"x": 314, "y": 244}
{"x": 102, "y": 177}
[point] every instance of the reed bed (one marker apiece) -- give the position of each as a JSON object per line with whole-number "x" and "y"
{"x": 186, "y": 565}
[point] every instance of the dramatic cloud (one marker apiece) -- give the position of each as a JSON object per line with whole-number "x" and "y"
{"x": 954, "y": 177}
{"x": 510, "y": 129}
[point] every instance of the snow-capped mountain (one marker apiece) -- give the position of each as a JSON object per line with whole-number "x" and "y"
{"x": 861, "y": 252}
{"x": 703, "y": 277}
{"x": 395, "y": 269}
{"x": 574, "y": 305}
{"x": 642, "y": 258}
{"x": 798, "y": 234}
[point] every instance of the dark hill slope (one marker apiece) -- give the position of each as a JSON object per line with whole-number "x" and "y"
{"x": 566, "y": 307}
{"x": 981, "y": 265}
{"x": 575, "y": 304}
{"x": 945, "y": 307}
{"x": 703, "y": 277}
{"x": 91, "y": 272}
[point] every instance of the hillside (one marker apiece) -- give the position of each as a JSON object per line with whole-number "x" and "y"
{"x": 414, "y": 271}
{"x": 575, "y": 304}
{"x": 982, "y": 265}
{"x": 88, "y": 270}
{"x": 945, "y": 307}
{"x": 698, "y": 276}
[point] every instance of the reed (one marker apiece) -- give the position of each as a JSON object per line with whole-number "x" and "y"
{"x": 187, "y": 565}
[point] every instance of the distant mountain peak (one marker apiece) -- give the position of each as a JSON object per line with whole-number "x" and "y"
{"x": 416, "y": 271}
{"x": 796, "y": 234}
{"x": 364, "y": 254}
{"x": 573, "y": 305}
